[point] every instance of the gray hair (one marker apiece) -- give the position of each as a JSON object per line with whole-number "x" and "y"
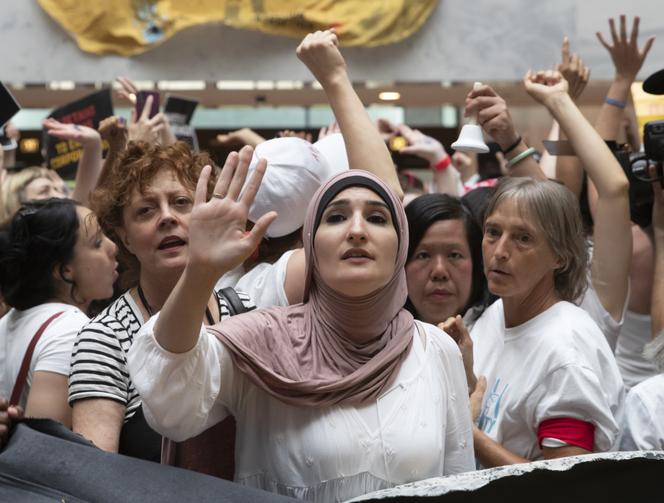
{"x": 555, "y": 211}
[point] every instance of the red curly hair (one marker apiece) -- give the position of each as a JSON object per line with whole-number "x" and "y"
{"x": 135, "y": 169}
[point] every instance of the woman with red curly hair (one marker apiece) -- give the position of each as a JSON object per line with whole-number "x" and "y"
{"x": 144, "y": 204}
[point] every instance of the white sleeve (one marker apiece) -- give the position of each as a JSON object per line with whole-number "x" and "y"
{"x": 265, "y": 283}
{"x": 591, "y": 304}
{"x": 574, "y": 391}
{"x": 53, "y": 351}
{"x": 181, "y": 393}
{"x": 640, "y": 430}
{"x": 459, "y": 453}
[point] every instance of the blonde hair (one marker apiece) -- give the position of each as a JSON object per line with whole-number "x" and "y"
{"x": 12, "y": 192}
{"x": 555, "y": 211}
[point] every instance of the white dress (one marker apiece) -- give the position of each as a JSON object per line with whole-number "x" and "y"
{"x": 417, "y": 429}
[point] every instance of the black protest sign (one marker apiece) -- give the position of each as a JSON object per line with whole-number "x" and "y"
{"x": 63, "y": 155}
{"x": 179, "y": 112}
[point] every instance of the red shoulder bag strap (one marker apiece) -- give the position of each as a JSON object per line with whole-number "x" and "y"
{"x": 27, "y": 358}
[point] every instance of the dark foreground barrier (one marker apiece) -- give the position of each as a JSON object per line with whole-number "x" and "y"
{"x": 44, "y": 461}
{"x": 610, "y": 477}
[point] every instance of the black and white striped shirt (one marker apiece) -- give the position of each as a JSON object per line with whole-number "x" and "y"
{"x": 99, "y": 359}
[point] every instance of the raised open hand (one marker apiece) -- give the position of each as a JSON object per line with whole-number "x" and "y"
{"x": 421, "y": 145}
{"x": 625, "y": 53}
{"x": 82, "y": 134}
{"x": 573, "y": 71}
{"x": 545, "y": 86}
{"x": 218, "y": 240}
{"x": 127, "y": 89}
{"x": 320, "y": 52}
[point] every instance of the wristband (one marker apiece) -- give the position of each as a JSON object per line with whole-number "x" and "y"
{"x": 614, "y": 102}
{"x": 443, "y": 164}
{"x": 513, "y": 146}
{"x": 516, "y": 160}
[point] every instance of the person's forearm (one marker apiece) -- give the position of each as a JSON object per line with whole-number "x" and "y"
{"x": 364, "y": 145}
{"x": 657, "y": 302}
{"x": 87, "y": 174}
{"x": 448, "y": 181}
{"x": 490, "y": 453}
{"x": 610, "y": 116}
{"x": 526, "y": 167}
{"x": 593, "y": 153}
{"x": 180, "y": 319}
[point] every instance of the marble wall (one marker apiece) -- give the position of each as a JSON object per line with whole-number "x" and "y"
{"x": 463, "y": 40}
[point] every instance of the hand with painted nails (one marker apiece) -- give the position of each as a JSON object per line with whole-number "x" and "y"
{"x": 82, "y": 134}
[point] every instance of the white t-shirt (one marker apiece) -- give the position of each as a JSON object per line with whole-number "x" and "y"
{"x": 635, "y": 334}
{"x": 556, "y": 365}
{"x": 591, "y": 304}
{"x": 264, "y": 283}
{"x": 53, "y": 351}
{"x": 643, "y": 425}
{"x": 417, "y": 429}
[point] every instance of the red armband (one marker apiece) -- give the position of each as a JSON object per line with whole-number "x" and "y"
{"x": 443, "y": 164}
{"x": 569, "y": 430}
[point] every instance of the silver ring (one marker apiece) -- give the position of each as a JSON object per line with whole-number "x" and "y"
{"x": 218, "y": 196}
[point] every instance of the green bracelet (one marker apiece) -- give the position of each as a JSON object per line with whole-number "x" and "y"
{"x": 516, "y": 160}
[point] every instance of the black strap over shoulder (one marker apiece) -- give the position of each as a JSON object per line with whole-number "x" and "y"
{"x": 233, "y": 301}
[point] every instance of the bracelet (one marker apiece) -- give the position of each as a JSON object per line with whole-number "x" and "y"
{"x": 516, "y": 160}
{"x": 614, "y": 102}
{"x": 513, "y": 146}
{"x": 443, "y": 164}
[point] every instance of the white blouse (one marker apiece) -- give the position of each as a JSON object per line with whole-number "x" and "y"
{"x": 419, "y": 428}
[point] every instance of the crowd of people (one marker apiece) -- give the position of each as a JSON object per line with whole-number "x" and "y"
{"x": 350, "y": 327}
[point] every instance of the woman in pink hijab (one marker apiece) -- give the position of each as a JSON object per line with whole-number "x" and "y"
{"x": 338, "y": 396}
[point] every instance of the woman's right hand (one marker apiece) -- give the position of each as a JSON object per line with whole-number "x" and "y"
{"x": 218, "y": 240}
{"x": 545, "y": 86}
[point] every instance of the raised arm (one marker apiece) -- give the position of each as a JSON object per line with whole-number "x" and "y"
{"x": 217, "y": 244}
{"x": 114, "y": 131}
{"x": 612, "y": 231}
{"x": 89, "y": 165}
{"x": 495, "y": 119}
{"x": 364, "y": 145}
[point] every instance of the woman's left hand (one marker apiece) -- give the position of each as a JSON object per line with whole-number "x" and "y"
{"x": 82, "y": 134}
{"x": 218, "y": 240}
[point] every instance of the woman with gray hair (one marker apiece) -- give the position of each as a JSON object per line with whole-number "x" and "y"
{"x": 554, "y": 388}
{"x": 552, "y": 384}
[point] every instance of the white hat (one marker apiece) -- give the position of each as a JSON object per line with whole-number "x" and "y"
{"x": 333, "y": 149}
{"x": 294, "y": 171}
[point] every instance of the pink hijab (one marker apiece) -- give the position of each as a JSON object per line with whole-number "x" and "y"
{"x": 302, "y": 354}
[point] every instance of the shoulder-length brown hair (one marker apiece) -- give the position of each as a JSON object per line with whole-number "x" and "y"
{"x": 552, "y": 208}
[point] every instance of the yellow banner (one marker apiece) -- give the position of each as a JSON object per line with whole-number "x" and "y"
{"x": 130, "y": 27}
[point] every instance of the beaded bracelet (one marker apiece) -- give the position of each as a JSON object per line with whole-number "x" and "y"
{"x": 526, "y": 153}
{"x": 614, "y": 102}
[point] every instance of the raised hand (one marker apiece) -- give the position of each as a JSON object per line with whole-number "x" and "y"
{"x": 151, "y": 130}
{"x": 492, "y": 114}
{"x": 218, "y": 241}
{"x": 328, "y": 130}
{"x": 421, "y": 145}
{"x": 545, "y": 86}
{"x": 573, "y": 71}
{"x": 82, "y": 134}
{"x": 128, "y": 89}
{"x": 114, "y": 130}
{"x": 624, "y": 51}
{"x": 320, "y": 52}
{"x": 244, "y": 136}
